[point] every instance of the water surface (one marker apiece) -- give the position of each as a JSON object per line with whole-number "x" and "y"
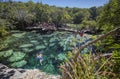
{"x": 23, "y": 47}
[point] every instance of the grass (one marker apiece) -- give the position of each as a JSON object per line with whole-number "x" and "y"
{"x": 87, "y": 66}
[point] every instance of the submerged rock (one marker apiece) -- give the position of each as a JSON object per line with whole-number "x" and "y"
{"x": 11, "y": 73}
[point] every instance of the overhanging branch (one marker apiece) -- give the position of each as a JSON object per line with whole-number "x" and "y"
{"x": 94, "y": 41}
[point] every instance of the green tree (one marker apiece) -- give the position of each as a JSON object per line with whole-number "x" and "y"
{"x": 79, "y": 16}
{"x": 110, "y": 17}
{"x": 93, "y": 12}
{"x": 90, "y": 24}
{"x": 65, "y": 17}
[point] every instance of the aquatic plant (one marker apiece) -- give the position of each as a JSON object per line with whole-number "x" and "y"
{"x": 14, "y": 59}
{"x": 61, "y": 57}
{"x": 1, "y": 54}
{"x": 49, "y": 67}
{"x": 40, "y": 47}
{"x": 34, "y": 41}
{"x": 52, "y": 39}
{"x": 19, "y": 35}
{"x": 26, "y": 45}
{"x": 4, "y": 54}
{"x": 27, "y": 50}
{"x": 8, "y": 53}
{"x": 51, "y": 44}
{"x": 18, "y": 64}
{"x": 16, "y": 56}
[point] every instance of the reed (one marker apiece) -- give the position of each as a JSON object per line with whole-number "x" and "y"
{"x": 87, "y": 66}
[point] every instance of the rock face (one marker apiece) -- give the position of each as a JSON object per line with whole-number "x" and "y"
{"x": 10, "y": 73}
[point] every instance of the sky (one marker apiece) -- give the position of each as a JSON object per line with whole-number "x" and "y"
{"x": 71, "y": 3}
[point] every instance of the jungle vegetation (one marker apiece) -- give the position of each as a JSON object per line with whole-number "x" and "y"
{"x": 19, "y": 15}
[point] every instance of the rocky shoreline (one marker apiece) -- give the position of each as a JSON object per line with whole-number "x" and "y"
{"x": 12, "y": 73}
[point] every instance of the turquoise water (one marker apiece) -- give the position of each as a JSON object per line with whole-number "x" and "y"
{"x": 22, "y": 48}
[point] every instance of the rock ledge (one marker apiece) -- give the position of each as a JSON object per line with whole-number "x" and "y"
{"x": 11, "y": 73}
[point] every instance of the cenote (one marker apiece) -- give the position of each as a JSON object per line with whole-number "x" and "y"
{"x": 22, "y": 48}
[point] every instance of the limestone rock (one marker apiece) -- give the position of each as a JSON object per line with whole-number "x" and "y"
{"x": 11, "y": 73}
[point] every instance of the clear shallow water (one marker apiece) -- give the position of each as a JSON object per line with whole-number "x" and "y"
{"x": 23, "y": 47}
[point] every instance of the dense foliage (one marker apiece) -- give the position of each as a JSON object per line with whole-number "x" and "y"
{"x": 108, "y": 67}
{"x": 108, "y": 20}
{"x": 19, "y": 15}
{"x": 110, "y": 16}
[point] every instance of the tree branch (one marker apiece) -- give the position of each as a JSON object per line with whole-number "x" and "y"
{"x": 94, "y": 41}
